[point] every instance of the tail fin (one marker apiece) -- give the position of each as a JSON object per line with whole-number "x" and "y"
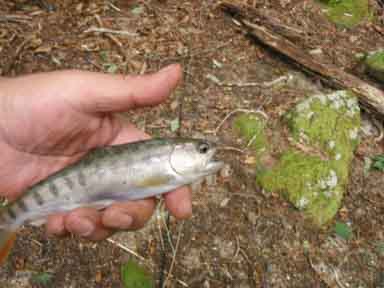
{"x": 7, "y": 239}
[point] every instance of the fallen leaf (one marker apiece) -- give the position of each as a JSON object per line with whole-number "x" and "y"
{"x": 134, "y": 276}
{"x": 98, "y": 277}
{"x": 343, "y": 230}
{"x": 175, "y": 124}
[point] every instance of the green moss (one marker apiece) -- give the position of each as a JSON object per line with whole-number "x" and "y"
{"x": 347, "y": 13}
{"x": 375, "y": 65}
{"x": 376, "y": 59}
{"x": 252, "y": 128}
{"x": 330, "y": 123}
{"x": 308, "y": 182}
{"x": 315, "y": 184}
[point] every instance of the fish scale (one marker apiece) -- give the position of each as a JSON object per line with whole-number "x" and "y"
{"x": 106, "y": 175}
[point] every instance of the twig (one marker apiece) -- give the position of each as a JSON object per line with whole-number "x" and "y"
{"x": 114, "y": 40}
{"x": 159, "y": 225}
{"x": 245, "y": 195}
{"x": 163, "y": 257}
{"x": 21, "y": 46}
{"x": 182, "y": 283}
{"x": 94, "y": 64}
{"x": 15, "y": 18}
{"x": 166, "y": 224}
{"x": 111, "y": 31}
{"x": 126, "y": 249}
{"x": 323, "y": 272}
{"x": 111, "y": 37}
{"x": 174, "y": 254}
{"x": 238, "y": 248}
{"x": 230, "y": 148}
{"x": 250, "y": 84}
{"x": 242, "y": 252}
{"x": 114, "y": 7}
{"x": 378, "y": 29}
{"x": 99, "y": 21}
{"x": 237, "y": 111}
{"x": 339, "y": 283}
{"x": 36, "y": 242}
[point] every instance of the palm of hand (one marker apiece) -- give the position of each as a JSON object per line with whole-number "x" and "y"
{"x": 44, "y": 131}
{"x": 48, "y": 121}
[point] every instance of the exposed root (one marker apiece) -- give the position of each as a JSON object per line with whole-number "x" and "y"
{"x": 111, "y": 31}
{"x": 237, "y": 111}
{"x": 126, "y": 249}
{"x": 269, "y": 84}
{"x": 15, "y": 18}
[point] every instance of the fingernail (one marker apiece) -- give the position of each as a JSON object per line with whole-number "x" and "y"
{"x": 83, "y": 227}
{"x": 186, "y": 208}
{"x": 55, "y": 232}
{"x": 168, "y": 68}
{"x": 124, "y": 221}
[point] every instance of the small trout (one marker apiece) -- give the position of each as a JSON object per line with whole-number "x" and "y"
{"x": 106, "y": 175}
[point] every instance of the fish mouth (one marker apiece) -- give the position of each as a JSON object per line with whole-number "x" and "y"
{"x": 213, "y": 165}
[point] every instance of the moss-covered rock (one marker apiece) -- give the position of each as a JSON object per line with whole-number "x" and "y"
{"x": 309, "y": 183}
{"x": 375, "y": 65}
{"x": 347, "y": 13}
{"x": 314, "y": 177}
{"x": 252, "y": 128}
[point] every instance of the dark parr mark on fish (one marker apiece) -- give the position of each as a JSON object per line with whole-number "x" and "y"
{"x": 53, "y": 189}
{"x": 81, "y": 178}
{"x": 38, "y": 198}
{"x": 22, "y": 205}
{"x": 2, "y": 217}
{"x": 68, "y": 181}
{"x": 11, "y": 213}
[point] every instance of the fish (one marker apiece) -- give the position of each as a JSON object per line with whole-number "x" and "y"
{"x": 106, "y": 175}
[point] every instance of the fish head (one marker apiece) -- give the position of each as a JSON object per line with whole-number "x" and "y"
{"x": 194, "y": 158}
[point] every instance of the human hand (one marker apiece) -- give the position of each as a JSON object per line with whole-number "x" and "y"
{"x": 50, "y": 120}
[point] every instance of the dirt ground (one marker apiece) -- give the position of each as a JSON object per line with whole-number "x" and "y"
{"x": 239, "y": 235}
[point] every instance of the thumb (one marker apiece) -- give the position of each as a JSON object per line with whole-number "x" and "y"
{"x": 98, "y": 92}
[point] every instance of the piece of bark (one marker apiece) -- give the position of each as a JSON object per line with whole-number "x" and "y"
{"x": 370, "y": 97}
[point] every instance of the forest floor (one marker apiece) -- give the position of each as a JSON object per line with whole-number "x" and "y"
{"x": 239, "y": 235}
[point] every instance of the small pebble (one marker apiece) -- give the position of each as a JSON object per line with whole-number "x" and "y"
{"x": 224, "y": 203}
{"x": 252, "y": 217}
{"x": 226, "y": 171}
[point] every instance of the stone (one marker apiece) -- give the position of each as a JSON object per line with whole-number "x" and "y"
{"x": 314, "y": 178}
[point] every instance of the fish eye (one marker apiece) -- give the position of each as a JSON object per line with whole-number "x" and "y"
{"x": 203, "y": 147}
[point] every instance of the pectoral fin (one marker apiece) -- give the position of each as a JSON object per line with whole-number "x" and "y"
{"x": 154, "y": 181}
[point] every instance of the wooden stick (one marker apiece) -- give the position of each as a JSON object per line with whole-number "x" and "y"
{"x": 106, "y": 30}
{"x": 15, "y": 18}
{"x": 370, "y": 97}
